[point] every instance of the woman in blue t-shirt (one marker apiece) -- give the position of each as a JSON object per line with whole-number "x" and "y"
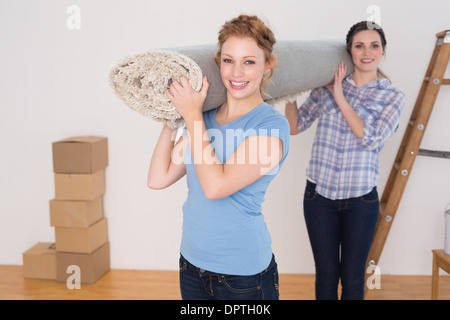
{"x": 229, "y": 155}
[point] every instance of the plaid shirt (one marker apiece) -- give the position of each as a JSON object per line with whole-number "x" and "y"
{"x": 342, "y": 165}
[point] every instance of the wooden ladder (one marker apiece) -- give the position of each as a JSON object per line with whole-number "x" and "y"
{"x": 409, "y": 148}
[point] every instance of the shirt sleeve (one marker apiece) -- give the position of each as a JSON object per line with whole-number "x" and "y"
{"x": 384, "y": 120}
{"x": 309, "y": 111}
{"x": 275, "y": 126}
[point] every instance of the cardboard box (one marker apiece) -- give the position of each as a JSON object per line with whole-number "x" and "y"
{"x": 80, "y": 154}
{"x": 79, "y": 186}
{"x": 81, "y": 240}
{"x": 92, "y": 266}
{"x": 40, "y": 261}
{"x": 77, "y": 214}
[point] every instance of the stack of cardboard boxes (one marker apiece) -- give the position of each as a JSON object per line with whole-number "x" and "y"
{"x": 76, "y": 212}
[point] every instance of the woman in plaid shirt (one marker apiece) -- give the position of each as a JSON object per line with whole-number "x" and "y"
{"x": 356, "y": 115}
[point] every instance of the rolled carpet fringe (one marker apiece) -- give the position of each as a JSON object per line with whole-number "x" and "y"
{"x": 141, "y": 80}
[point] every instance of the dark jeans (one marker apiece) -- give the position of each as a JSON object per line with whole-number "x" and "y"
{"x": 340, "y": 232}
{"x": 199, "y": 284}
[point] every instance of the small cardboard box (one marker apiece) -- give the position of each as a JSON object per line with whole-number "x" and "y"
{"x": 81, "y": 240}
{"x": 77, "y": 214}
{"x": 40, "y": 261}
{"x": 92, "y": 266}
{"x": 79, "y": 186}
{"x": 80, "y": 154}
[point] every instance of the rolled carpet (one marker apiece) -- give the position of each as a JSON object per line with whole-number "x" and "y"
{"x": 141, "y": 80}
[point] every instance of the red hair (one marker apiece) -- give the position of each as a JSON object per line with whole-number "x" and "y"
{"x": 252, "y": 27}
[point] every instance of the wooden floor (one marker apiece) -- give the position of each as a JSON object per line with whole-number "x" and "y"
{"x": 163, "y": 285}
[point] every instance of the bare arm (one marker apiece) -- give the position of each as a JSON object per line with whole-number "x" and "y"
{"x": 291, "y": 113}
{"x": 167, "y": 166}
{"x": 354, "y": 121}
{"x": 243, "y": 167}
{"x": 253, "y": 158}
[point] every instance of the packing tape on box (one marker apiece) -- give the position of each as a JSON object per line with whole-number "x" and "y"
{"x": 141, "y": 80}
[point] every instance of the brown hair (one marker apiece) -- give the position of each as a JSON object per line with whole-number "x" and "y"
{"x": 253, "y": 27}
{"x": 361, "y": 26}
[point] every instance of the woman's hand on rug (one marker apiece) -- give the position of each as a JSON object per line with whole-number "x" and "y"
{"x": 336, "y": 89}
{"x": 185, "y": 98}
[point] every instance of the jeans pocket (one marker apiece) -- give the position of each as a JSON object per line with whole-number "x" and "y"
{"x": 310, "y": 191}
{"x": 370, "y": 197}
{"x": 241, "y": 284}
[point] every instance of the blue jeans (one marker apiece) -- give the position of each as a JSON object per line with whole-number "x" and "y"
{"x": 199, "y": 284}
{"x": 340, "y": 232}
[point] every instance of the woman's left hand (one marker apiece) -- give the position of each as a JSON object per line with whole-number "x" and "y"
{"x": 336, "y": 89}
{"x": 187, "y": 101}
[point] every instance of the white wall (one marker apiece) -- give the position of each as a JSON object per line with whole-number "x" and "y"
{"x": 54, "y": 85}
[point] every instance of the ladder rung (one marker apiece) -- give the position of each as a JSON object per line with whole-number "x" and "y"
{"x": 444, "y": 81}
{"x": 433, "y": 153}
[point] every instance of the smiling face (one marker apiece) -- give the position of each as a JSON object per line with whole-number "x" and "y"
{"x": 242, "y": 68}
{"x": 367, "y": 51}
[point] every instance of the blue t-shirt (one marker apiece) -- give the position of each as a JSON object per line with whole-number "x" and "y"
{"x": 229, "y": 235}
